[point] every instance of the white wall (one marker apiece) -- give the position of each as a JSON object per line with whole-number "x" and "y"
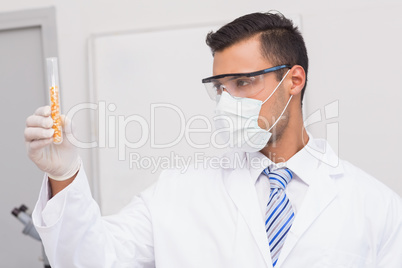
{"x": 78, "y": 20}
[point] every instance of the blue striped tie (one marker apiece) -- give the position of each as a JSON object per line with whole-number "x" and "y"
{"x": 279, "y": 216}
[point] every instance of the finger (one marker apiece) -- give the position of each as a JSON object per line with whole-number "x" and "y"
{"x": 39, "y": 121}
{"x": 36, "y": 133}
{"x": 39, "y": 144}
{"x": 43, "y": 111}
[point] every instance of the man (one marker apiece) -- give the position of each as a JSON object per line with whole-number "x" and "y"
{"x": 294, "y": 211}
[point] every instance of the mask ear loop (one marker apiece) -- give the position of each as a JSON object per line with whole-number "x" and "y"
{"x": 281, "y": 113}
{"x": 283, "y": 78}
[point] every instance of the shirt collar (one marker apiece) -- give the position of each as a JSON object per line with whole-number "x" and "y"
{"x": 303, "y": 163}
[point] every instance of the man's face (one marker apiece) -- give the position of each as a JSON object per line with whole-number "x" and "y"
{"x": 246, "y": 57}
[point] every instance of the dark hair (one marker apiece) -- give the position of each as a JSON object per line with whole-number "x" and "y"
{"x": 281, "y": 41}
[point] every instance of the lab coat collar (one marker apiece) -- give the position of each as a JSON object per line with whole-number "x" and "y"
{"x": 322, "y": 151}
{"x": 316, "y": 153}
{"x": 321, "y": 175}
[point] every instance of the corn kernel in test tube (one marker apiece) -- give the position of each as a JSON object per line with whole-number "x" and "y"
{"x": 53, "y": 83}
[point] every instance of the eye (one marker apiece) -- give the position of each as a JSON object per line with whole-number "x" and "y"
{"x": 244, "y": 81}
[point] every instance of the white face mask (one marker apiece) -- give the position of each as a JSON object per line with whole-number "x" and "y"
{"x": 236, "y": 122}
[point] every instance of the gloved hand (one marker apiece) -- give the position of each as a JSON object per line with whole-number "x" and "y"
{"x": 59, "y": 161}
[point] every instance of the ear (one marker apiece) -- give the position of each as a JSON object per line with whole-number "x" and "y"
{"x": 298, "y": 79}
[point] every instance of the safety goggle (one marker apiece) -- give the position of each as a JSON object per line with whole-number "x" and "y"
{"x": 238, "y": 84}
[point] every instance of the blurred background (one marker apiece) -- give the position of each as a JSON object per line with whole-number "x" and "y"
{"x": 131, "y": 54}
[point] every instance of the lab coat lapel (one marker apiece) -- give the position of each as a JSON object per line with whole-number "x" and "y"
{"x": 241, "y": 189}
{"x": 320, "y": 194}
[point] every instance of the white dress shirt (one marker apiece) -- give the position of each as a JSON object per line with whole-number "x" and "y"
{"x": 302, "y": 164}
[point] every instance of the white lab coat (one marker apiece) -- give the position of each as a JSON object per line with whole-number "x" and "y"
{"x": 211, "y": 218}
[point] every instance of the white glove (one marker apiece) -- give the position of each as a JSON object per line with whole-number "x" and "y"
{"x": 59, "y": 161}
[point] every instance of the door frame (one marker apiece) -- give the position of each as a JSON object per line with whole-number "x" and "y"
{"x": 45, "y": 18}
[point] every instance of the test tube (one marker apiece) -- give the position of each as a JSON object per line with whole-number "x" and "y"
{"x": 53, "y": 84}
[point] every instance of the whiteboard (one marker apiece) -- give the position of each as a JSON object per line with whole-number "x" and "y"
{"x": 148, "y": 91}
